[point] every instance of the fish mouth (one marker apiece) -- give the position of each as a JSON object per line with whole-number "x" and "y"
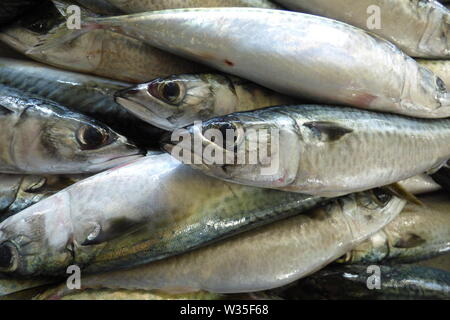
{"x": 125, "y": 99}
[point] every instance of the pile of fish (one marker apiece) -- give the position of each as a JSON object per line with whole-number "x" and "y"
{"x": 94, "y": 176}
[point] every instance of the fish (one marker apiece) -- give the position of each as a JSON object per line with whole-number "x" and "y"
{"x": 86, "y": 94}
{"x": 419, "y": 28}
{"x": 180, "y": 100}
{"x": 39, "y": 136}
{"x": 147, "y": 210}
{"x": 99, "y": 52}
{"x": 313, "y": 149}
{"x": 137, "y": 6}
{"x": 301, "y": 55}
{"x": 420, "y": 184}
{"x": 18, "y": 192}
{"x": 418, "y": 233}
{"x": 401, "y": 282}
{"x": 9, "y": 285}
{"x": 297, "y": 247}
{"x": 11, "y": 9}
{"x": 440, "y": 67}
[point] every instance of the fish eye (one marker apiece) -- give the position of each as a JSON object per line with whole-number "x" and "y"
{"x": 9, "y": 257}
{"x": 168, "y": 91}
{"x": 381, "y": 197}
{"x": 90, "y": 137}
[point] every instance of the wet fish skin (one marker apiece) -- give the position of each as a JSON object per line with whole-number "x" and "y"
{"x": 440, "y": 67}
{"x": 303, "y": 66}
{"x": 179, "y": 100}
{"x": 420, "y": 184}
{"x": 418, "y": 233}
{"x": 419, "y": 28}
{"x": 99, "y": 52}
{"x": 358, "y": 145}
{"x": 136, "y": 6}
{"x": 127, "y": 216}
{"x": 401, "y": 282}
{"x": 89, "y": 95}
{"x": 240, "y": 264}
{"x": 41, "y": 137}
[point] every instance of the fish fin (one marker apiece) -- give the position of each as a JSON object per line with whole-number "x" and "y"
{"x": 328, "y": 130}
{"x": 397, "y": 190}
{"x": 62, "y": 34}
{"x": 442, "y": 177}
{"x": 116, "y": 228}
{"x": 410, "y": 240}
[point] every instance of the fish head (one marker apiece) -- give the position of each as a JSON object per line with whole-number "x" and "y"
{"x": 241, "y": 147}
{"x": 179, "y": 100}
{"x": 55, "y": 140}
{"x": 368, "y": 212}
{"x": 28, "y": 32}
{"x": 37, "y": 240}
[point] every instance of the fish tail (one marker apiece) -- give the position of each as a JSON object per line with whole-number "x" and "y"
{"x": 442, "y": 177}
{"x": 62, "y": 34}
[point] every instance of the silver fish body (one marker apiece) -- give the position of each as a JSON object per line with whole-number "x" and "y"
{"x": 420, "y": 184}
{"x": 99, "y": 52}
{"x": 180, "y": 100}
{"x": 147, "y": 210}
{"x": 293, "y": 53}
{"x": 135, "y": 6}
{"x": 320, "y": 150}
{"x": 418, "y": 233}
{"x": 39, "y": 136}
{"x": 419, "y": 28}
{"x": 264, "y": 258}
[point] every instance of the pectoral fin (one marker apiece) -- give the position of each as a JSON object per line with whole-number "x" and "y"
{"x": 327, "y": 130}
{"x": 408, "y": 241}
{"x": 113, "y": 229}
{"x": 397, "y": 190}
